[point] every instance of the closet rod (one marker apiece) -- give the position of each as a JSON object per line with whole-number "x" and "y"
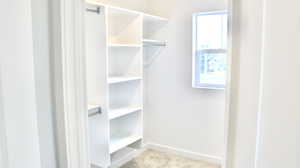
{"x": 97, "y": 10}
{"x": 95, "y": 111}
{"x": 160, "y": 45}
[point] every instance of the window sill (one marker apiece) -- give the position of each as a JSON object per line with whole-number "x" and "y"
{"x": 209, "y": 88}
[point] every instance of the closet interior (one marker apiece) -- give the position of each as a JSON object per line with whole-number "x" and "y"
{"x": 117, "y": 43}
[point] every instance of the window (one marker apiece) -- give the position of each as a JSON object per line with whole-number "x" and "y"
{"x": 209, "y": 49}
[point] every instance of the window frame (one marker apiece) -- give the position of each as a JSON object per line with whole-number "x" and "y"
{"x": 194, "y": 51}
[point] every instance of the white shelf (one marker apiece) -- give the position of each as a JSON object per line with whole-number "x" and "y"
{"x": 115, "y": 113}
{"x": 125, "y": 45}
{"x": 149, "y": 42}
{"x": 122, "y": 156}
{"x": 113, "y": 80}
{"x": 121, "y": 12}
{"x": 154, "y": 19}
{"x": 121, "y": 141}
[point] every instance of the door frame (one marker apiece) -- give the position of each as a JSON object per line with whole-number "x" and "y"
{"x": 69, "y": 90}
{"x": 68, "y": 82}
{"x": 3, "y": 144}
{"x": 228, "y": 90}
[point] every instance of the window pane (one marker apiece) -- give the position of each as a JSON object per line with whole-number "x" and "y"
{"x": 211, "y": 31}
{"x": 211, "y": 70}
{"x": 210, "y": 44}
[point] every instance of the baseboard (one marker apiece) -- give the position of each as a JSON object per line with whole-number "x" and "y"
{"x": 126, "y": 159}
{"x": 185, "y": 153}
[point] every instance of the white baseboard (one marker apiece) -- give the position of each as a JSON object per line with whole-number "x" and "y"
{"x": 185, "y": 153}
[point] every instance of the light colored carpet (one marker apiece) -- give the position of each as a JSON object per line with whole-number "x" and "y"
{"x": 154, "y": 159}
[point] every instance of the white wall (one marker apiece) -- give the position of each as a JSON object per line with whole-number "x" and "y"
{"x": 178, "y": 115}
{"x": 265, "y": 108}
{"x": 40, "y": 29}
{"x": 279, "y": 144}
{"x": 17, "y": 87}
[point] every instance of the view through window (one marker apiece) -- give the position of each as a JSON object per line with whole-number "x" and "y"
{"x": 209, "y": 49}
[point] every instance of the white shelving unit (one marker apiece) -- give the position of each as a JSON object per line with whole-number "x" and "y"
{"x": 114, "y": 49}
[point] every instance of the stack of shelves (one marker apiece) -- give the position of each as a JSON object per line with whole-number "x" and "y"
{"x": 114, "y": 51}
{"x": 125, "y": 60}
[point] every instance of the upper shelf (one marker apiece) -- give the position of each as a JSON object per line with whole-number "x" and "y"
{"x": 121, "y": 12}
{"x": 117, "y": 10}
{"x": 148, "y": 19}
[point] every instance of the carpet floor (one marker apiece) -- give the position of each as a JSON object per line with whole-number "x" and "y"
{"x": 155, "y": 159}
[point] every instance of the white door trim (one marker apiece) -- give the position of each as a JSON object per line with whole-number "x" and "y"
{"x": 228, "y": 91}
{"x": 3, "y": 144}
{"x": 234, "y": 142}
{"x": 68, "y": 70}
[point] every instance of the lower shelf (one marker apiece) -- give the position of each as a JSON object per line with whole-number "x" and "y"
{"x": 122, "y": 156}
{"x": 121, "y": 141}
{"x": 115, "y": 113}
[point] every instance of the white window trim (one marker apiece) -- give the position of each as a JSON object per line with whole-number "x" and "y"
{"x": 194, "y": 38}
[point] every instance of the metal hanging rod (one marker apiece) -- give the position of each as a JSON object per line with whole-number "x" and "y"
{"x": 147, "y": 42}
{"x": 97, "y": 10}
{"x": 94, "y": 111}
{"x": 158, "y": 45}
